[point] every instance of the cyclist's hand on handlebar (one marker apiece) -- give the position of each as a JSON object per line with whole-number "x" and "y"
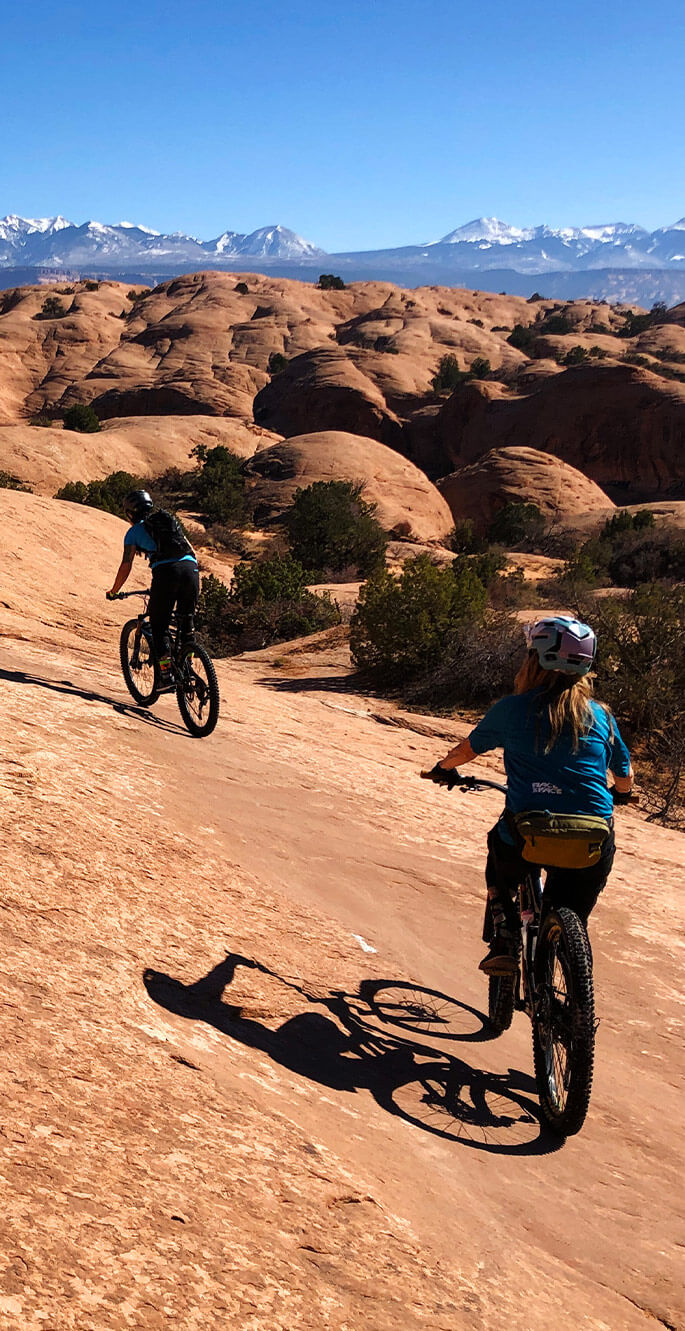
{"x": 624, "y": 796}
{"x": 113, "y": 596}
{"x": 442, "y": 776}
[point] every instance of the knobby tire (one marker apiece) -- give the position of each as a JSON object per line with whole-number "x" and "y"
{"x": 564, "y": 1022}
{"x": 140, "y": 682}
{"x": 198, "y": 698}
{"x": 501, "y": 1002}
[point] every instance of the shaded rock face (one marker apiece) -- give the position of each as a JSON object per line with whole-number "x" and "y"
{"x": 619, "y": 424}
{"x": 522, "y": 475}
{"x": 408, "y": 505}
{"x": 325, "y": 390}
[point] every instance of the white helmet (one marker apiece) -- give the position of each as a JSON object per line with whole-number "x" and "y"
{"x": 562, "y": 644}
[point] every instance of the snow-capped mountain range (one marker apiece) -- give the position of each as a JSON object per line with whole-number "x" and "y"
{"x": 618, "y": 261}
{"x": 483, "y": 244}
{"x": 53, "y": 242}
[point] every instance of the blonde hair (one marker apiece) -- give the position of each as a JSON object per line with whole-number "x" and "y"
{"x": 566, "y": 699}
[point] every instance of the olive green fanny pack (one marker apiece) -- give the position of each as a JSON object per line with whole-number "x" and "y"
{"x": 561, "y": 840}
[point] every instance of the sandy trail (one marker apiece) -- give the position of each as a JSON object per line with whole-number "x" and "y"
{"x": 271, "y": 1149}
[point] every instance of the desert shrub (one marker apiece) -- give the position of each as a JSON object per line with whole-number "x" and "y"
{"x": 280, "y": 578}
{"x": 535, "y": 297}
{"x": 43, "y": 420}
{"x": 267, "y": 602}
{"x": 448, "y": 375}
{"x": 330, "y": 282}
{"x": 138, "y": 295}
{"x": 477, "y": 666}
{"x": 82, "y": 418}
{"x": 10, "y": 482}
{"x": 218, "y": 487}
{"x": 92, "y": 286}
{"x": 518, "y": 525}
{"x": 522, "y": 337}
{"x": 477, "y": 322}
{"x": 401, "y": 624}
{"x": 479, "y": 368}
{"x": 463, "y": 539}
{"x": 52, "y": 308}
{"x": 108, "y": 494}
{"x": 576, "y": 356}
{"x": 241, "y": 288}
{"x": 639, "y": 323}
{"x": 641, "y": 675}
{"x": 487, "y": 565}
{"x": 555, "y": 325}
{"x": 629, "y": 550}
{"x": 277, "y": 362}
{"x": 332, "y": 527}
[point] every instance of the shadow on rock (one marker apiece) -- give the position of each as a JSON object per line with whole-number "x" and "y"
{"x": 89, "y": 695}
{"x": 379, "y": 1040}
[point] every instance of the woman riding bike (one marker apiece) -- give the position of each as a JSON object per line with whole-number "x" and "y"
{"x": 175, "y": 579}
{"x": 558, "y": 746}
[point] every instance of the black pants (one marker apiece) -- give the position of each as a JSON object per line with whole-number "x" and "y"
{"x": 176, "y": 584}
{"x": 577, "y": 888}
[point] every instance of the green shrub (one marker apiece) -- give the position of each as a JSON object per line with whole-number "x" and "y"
{"x": 10, "y": 482}
{"x": 629, "y": 550}
{"x": 517, "y": 525}
{"x": 641, "y": 675}
{"x": 478, "y": 665}
{"x": 331, "y": 527}
{"x": 43, "y": 420}
{"x": 463, "y": 539}
{"x": 277, "y": 362}
{"x": 329, "y": 282}
{"x": 448, "y": 375}
{"x": 92, "y": 286}
{"x": 522, "y": 337}
{"x": 108, "y": 494}
{"x": 280, "y": 578}
{"x": 480, "y": 368}
{"x": 82, "y": 418}
{"x": 576, "y": 356}
{"x": 52, "y": 308}
{"x": 218, "y": 488}
{"x": 401, "y": 624}
{"x": 241, "y": 288}
{"x": 267, "y": 602}
{"x": 639, "y": 323}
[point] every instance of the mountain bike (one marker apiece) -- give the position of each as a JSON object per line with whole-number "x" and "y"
{"x": 193, "y": 677}
{"x": 553, "y": 985}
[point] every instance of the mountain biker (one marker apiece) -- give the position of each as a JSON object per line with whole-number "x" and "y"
{"x": 175, "y": 578}
{"x": 558, "y": 746}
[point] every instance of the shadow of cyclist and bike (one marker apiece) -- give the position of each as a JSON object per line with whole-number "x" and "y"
{"x": 380, "y": 1040}
{"x": 90, "y": 695}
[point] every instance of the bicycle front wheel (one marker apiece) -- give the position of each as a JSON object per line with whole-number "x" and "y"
{"x": 501, "y": 1002}
{"x": 564, "y": 1022}
{"x": 197, "y": 693}
{"x": 137, "y": 663}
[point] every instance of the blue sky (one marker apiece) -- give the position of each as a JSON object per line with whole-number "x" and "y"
{"x": 358, "y": 123}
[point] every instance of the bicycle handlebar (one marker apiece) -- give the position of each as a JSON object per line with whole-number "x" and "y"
{"x": 121, "y": 596}
{"x": 454, "y": 780}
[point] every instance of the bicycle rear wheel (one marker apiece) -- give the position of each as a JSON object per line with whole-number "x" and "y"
{"x": 197, "y": 693}
{"x": 564, "y": 1022}
{"x": 501, "y": 1002}
{"x": 137, "y": 663}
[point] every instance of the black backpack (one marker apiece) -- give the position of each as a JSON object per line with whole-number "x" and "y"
{"x": 167, "y": 535}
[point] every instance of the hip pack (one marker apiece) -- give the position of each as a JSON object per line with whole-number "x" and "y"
{"x": 560, "y": 840}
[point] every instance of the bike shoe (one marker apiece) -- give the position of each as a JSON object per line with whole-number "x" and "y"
{"x": 500, "y": 959}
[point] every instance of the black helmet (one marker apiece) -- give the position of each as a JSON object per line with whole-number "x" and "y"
{"x": 136, "y": 504}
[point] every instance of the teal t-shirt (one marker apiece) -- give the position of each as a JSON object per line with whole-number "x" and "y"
{"x": 560, "y": 781}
